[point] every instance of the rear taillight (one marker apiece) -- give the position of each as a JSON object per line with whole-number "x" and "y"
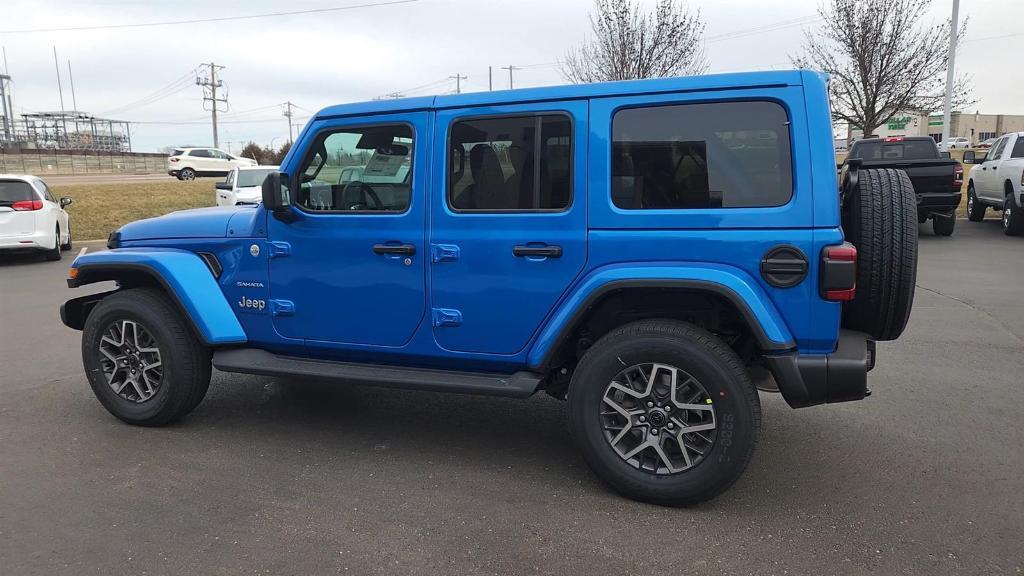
{"x": 958, "y": 175}
{"x": 839, "y": 272}
{"x": 893, "y": 139}
{"x": 174, "y": 159}
{"x": 25, "y": 205}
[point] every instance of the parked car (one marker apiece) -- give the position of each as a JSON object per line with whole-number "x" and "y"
{"x": 956, "y": 142}
{"x": 937, "y": 180}
{"x": 635, "y": 248}
{"x": 31, "y": 217}
{"x": 987, "y": 143}
{"x": 998, "y": 183}
{"x": 187, "y": 163}
{"x": 242, "y": 185}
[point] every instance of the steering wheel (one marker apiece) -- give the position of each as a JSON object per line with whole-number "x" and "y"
{"x": 365, "y": 193}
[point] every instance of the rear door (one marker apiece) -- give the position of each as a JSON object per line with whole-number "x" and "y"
{"x": 508, "y": 223}
{"x": 985, "y": 182}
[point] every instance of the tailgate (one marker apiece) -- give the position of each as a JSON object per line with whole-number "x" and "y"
{"x": 16, "y": 223}
{"x": 926, "y": 175}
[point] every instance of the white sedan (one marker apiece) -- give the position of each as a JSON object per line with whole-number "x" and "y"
{"x": 31, "y": 217}
{"x": 244, "y": 185}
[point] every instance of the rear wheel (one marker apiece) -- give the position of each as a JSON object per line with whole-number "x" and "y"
{"x": 975, "y": 209}
{"x": 55, "y": 254}
{"x": 880, "y": 219}
{"x": 943, "y": 225}
{"x": 67, "y": 245}
{"x": 664, "y": 412}
{"x": 1013, "y": 220}
{"x": 143, "y": 362}
{"x": 187, "y": 174}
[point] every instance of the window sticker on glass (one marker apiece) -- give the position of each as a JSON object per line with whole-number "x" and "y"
{"x": 384, "y": 164}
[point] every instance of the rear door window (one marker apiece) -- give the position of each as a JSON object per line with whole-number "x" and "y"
{"x": 703, "y": 155}
{"x": 200, "y": 153}
{"x": 1018, "y": 148}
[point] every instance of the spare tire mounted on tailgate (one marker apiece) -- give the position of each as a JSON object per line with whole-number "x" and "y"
{"x": 880, "y": 219}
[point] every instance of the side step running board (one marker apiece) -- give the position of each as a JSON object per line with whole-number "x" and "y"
{"x": 255, "y": 361}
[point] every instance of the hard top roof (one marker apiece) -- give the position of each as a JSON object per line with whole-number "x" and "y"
{"x": 576, "y": 91}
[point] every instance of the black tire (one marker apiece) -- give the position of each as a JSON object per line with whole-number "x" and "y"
{"x": 1013, "y": 220}
{"x": 184, "y": 360}
{"x": 943, "y": 225}
{"x": 187, "y": 174}
{"x": 70, "y": 243}
{"x": 880, "y": 219}
{"x": 55, "y": 254}
{"x": 737, "y": 409}
{"x": 975, "y": 208}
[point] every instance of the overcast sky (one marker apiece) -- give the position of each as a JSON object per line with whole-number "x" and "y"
{"x": 353, "y": 55}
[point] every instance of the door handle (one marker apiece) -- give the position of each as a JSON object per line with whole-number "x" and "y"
{"x": 538, "y": 251}
{"x": 398, "y": 249}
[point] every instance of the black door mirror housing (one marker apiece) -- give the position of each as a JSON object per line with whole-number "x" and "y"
{"x": 276, "y": 198}
{"x": 222, "y": 186}
{"x": 65, "y": 201}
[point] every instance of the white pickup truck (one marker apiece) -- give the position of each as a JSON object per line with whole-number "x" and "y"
{"x": 998, "y": 183}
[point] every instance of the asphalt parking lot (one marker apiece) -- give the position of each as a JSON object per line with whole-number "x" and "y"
{"x": 273, "y": 476}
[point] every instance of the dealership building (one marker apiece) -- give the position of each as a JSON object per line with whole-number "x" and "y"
{"x": 976, "y": 127}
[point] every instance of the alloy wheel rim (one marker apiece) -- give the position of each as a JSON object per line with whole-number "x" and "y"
{"x": 658, "y": 418}
{"x": 130, "y": 360}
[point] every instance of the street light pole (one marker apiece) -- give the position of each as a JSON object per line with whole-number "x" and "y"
{"x": 947, "y": 103}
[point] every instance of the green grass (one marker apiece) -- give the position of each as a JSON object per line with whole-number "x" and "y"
{"x": 99, "y": 209}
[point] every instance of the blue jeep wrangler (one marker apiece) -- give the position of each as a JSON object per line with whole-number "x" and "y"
{"x": 650, "y": 251}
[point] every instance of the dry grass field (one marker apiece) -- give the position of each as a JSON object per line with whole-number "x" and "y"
{"x": 101, "y": 208}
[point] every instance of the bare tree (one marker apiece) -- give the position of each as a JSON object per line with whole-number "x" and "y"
{"x": 881, "y": 59}
{"x": 629, "y": 44}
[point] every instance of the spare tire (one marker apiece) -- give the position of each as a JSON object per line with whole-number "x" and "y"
{"x": 880, "y": 219}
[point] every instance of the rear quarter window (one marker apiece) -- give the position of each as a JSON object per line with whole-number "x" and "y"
{"x": 704, "y": 155}
{"x": 12, "y": 191}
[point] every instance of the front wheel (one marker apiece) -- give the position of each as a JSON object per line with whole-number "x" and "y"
{"x": 142, "y": 360}
{"x": 664, "y": 412}
{"x": 975, "y": 209}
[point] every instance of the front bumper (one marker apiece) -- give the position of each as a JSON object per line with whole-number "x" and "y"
{"x": 811, "y": 379}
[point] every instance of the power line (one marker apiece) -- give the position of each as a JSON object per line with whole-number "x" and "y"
{"x": 174, "y": 86}
{"x": 772, "y": 27}
{"x": 203, "y": 20}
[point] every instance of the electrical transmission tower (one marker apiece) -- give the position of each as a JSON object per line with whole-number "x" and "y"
{"x": 210, "y": 84}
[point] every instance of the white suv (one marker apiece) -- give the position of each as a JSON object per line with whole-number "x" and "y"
{"x": 956, "y": 142}
{"x": 187, "y": 163}
{"x": 243, "y": 185}
{"x": 31, "y": 217}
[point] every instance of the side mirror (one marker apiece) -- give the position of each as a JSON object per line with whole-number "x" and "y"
{"x": 276, "y": 198}
{"x": 969, "y": 156}
{"x": 65, "y": 202}
{"x": 222, "y": 186}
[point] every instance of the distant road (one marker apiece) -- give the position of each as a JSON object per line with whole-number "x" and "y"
{"x": 103, "y": 178}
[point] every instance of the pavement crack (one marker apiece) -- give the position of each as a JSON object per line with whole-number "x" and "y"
{"x": 976, "y": 309}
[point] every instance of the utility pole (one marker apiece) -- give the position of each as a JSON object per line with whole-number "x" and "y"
{"x": 60, "y": 92}
{"x": 490, "y": 78}
{"x": 74, "y": 101}
{"x": 210, "y": 85}
{"x": 458, "y": 82}
{"x": 947, "y": 102}
{"x": 288, "y": 114}
{"x": 510, "y": 68}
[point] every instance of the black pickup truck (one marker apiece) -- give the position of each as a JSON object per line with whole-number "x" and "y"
{"x": 936, "y": 179}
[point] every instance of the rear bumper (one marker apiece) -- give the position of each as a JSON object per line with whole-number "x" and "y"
{"x": 811, "y": 379}
{"x": 937, "y": 202}
{"x": 36, "y": 241}
{"x": 172, "y": 173}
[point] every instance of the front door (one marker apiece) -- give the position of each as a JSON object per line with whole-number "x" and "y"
{"x": 508, "y": 221}
{"x": 350, "y": 267}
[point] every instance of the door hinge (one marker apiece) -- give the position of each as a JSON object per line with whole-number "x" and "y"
{"x": 446, "y": 317}
{"x": 444, "y": 253}
{"x": 280, "y": 249}
{"x": 282, "y": 308}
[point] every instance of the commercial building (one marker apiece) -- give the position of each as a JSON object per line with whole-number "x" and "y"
{"x": 976, "y": 127}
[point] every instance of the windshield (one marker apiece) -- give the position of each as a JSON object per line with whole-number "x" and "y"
{"x": 248, "y": 178}
{"x": 12, "y": 191}
{"x": 902, "y": 150}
